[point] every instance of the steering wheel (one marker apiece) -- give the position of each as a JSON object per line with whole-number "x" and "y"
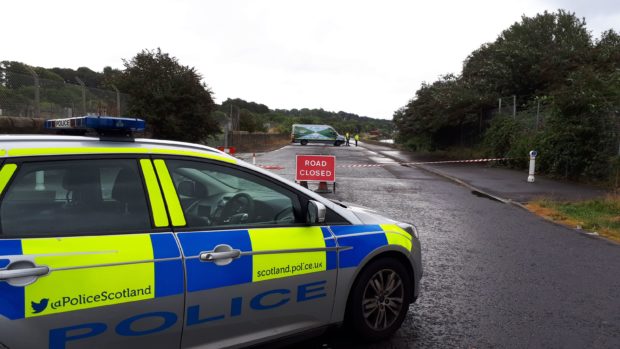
{"x": 192, "y": 216}
{"x": 239, "y": 208}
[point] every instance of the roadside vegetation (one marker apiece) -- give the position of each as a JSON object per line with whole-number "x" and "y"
{"x": 172, "y": 97}
{"x": 543, "y": 84}
{"x": 599, "y": 215}
{"x": 254, "y": 117}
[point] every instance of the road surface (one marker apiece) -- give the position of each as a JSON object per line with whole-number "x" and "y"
{"x": 496, "y": 276}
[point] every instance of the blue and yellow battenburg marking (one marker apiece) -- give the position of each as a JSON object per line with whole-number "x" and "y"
{"x": 91, "y": 271}
{"x": 127, "y": 268}
{"x": 272, "y": 264}
{"x": 5, "y": 175}
{"x": 364, "y": 239}
{"x": 355, "y": 241}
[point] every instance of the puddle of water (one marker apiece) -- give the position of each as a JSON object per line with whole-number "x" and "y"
{"x": 482, "y": 195}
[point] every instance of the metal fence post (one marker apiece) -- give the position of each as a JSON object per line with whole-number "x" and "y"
{"x": 83, "y": 94}
{"x": 227, "y": 128}
{"x": 118, "y": 101}
{"x": 37, "y": 92}
{"x": 537, "y": 113}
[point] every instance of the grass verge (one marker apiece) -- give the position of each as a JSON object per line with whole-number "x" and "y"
{"x": 599, "y": 215}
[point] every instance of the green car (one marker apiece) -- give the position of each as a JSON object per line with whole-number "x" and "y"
{"x": 116, "y": 242}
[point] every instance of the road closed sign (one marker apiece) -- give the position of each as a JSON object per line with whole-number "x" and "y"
{"x": 317, "y": 168}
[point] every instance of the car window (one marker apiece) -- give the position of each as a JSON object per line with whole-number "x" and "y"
{"x": 214, "y": 196}
{"x": 75, "y": 197}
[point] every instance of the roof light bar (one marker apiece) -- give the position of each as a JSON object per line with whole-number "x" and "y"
{"x": 96, "y": 123}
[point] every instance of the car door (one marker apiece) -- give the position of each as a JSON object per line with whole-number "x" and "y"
{"x": 254, "y": 269}
{"x": 83, "y": 264}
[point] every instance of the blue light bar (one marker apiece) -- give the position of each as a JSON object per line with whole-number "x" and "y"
{"x": 97, "y": 123}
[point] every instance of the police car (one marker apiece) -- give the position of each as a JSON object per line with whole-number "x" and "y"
{"x": 115, "y": 242}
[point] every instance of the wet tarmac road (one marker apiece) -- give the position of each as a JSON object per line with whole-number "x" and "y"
{"x": 495, "y": 276}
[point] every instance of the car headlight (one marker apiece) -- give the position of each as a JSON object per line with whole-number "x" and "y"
{"x": 411, "y": 229}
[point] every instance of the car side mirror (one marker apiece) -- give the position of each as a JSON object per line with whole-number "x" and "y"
{"x": 316, "y": 212}
{"x": 186, "y": 188}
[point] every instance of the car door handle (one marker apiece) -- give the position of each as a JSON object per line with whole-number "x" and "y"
{"x": 26, "y": 272}
{"x": 214, "y": 256}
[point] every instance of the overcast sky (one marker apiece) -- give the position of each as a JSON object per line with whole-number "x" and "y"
{"x": 364, "y": 57}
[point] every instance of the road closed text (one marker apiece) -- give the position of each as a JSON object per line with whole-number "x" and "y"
{"x": 315, "y": 168}
{"x": 316, "y": 173}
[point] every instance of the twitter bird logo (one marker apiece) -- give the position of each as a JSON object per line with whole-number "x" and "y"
{"x": 39, "y": 307}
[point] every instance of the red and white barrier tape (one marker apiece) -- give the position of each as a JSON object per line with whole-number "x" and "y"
{"x": 425, "y": 162}
{"x": 277, "y": 167}
{"x": 458, "y": 161}
{"x": 271, "y": 167}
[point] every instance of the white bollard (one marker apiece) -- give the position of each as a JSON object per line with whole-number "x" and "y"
{"x": 530, "y": 177}
{"x": 254, "y": 159}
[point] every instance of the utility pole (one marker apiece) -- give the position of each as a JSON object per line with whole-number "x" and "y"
{"x": 500, "y": 105}
{"x": 83, "y": 94}
{"x": 514, "y": 106}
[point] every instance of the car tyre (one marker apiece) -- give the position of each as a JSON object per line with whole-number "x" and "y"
{"x": 304, "y": 142}
{"x": 379, "y": 300}
{"x": 337, "y": 143}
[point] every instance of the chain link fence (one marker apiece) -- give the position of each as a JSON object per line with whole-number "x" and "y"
{"x": 531, "y": 115}
{"x": 24, "y": 95}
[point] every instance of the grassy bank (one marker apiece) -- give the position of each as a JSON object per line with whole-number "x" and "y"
{"x": 600, "y": 215}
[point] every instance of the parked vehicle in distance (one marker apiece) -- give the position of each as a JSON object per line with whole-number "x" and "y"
{"x": 307, "y": 133}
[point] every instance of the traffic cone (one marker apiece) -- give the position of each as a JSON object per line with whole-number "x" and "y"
{"x": 323, "y": 188}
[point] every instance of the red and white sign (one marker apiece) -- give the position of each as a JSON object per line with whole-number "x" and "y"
{"x": 317, "y": 168}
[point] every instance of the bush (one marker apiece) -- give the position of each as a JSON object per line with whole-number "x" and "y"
{"x": 507, "y": 137}
{"x": 501, "y": 136}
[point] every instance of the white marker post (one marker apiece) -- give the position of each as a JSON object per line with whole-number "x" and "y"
{"x": 533, "y": 154}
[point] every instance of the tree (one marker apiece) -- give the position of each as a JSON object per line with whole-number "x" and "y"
{"x": 531, "y": 56}
{"x": 549, "y": 57}
{"x": 241, "y": 104}
{"x": 250, "y": 122}
{"x": 16, "y": 75}
{"x": 111, "y": 77}
{"x": 440, "y": 115}
{"x": 171, "y": 96}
